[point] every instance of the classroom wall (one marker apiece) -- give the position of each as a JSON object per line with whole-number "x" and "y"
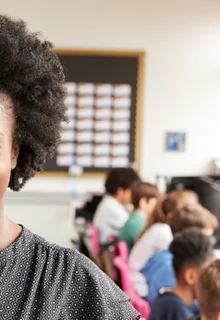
{"x": 182, "y": 74}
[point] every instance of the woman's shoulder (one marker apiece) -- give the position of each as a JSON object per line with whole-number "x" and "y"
{"x": 52, "y": 250}
{"x": 84, "y": 282}
{"x": 70, "y": 260}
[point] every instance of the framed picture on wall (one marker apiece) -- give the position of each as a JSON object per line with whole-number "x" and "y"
{"x": 175, "y": 141}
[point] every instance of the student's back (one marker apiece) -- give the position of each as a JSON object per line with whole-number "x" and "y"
{"x": 159, "y": 273}
{"x": 132, "y": 229}
{"x": 177, "y": 309}
{"x": 158, "y": 238}
{"x": 110, "y": 216}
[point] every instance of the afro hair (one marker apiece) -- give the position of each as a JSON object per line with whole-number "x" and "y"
{"x": 32, "y": 76}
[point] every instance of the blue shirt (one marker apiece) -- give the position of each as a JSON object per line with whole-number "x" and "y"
{"x": 159, "y": 273}
{"x": 169, "y": 306}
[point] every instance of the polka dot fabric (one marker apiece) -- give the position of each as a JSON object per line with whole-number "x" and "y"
{"x": 40, "y": 280}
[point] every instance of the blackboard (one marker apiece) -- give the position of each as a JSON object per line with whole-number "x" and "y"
{"x": 92, "y": 72}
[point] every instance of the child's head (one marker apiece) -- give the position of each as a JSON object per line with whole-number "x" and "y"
{"x": 191, "y": 248}
{"x": 118, "y": 183}
{"x": 167, "y": 204}
{"x": 193, "y": 215}
{"x": 175, "y": 200}
{"x": 144, "y": 196}
{"x": 31, "y": 103}
{"x": 208, "y": 290}
{"x": 181, "y": 197}
{"x": 171, "y": 202}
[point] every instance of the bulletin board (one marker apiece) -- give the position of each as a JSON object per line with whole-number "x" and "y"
{"x": 104, "y": 111}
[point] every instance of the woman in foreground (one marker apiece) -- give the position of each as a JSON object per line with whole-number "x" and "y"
{"x": 39, "y": 280}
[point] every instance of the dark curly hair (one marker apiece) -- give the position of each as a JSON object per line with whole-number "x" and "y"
{"x": 32, "y": 76}
{"x": 190, "y": 247}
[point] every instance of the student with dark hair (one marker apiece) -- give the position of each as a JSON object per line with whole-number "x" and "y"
{"x": 158, "y": 271}
{"x": 40, "y": 280}
{"x": 144, "y": 197}
{"x": 111, "y": 214}
{"x": 208, "y": 291}
{"x": 190, "y": 249}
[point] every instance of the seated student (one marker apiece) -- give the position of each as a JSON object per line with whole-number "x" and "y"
{"x": 111, "y": 214}
{"x": 157, "y": 234}
{"x": 40, "y": 280}
{"x": 144, "y": 198}
{"x": 208, "y": 291}
{"x": 158, "y": 271}
{"x": 191, "y": 249}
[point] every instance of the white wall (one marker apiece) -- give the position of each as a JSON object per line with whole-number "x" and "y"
{"x": 182, "y": 76}
{"x": 182, "y": 41}
{"x": 51, "y": 221}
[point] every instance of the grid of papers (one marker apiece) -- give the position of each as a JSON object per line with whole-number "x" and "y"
{"x": 97, "y": 134}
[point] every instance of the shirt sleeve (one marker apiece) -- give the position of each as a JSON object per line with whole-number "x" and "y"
{"x": 92, "y": 295}
{"x": 163, "y": 236}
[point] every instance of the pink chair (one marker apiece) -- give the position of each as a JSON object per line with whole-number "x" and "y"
{"x": 140, "y": 304}
{"x": 95, "y": 241}
{"x": 126, "y": 283}
{"x": 121, "y": 250}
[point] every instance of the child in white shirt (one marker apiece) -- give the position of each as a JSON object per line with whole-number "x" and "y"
{"x": 157, "y": 234}
{"x": 111, "y": 214}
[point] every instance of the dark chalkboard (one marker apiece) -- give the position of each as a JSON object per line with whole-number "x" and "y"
{"x": 117, "y": 69}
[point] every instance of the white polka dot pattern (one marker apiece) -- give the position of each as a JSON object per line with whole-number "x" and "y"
{"x": 40, "y": 280}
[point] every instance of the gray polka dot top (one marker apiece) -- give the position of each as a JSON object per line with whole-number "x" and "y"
{"x": 40, "y": 280}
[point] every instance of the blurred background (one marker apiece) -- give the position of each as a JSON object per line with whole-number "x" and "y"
{"x": 181, "y": 93}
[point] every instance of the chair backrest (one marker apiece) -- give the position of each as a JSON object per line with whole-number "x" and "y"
{"x": 140, "y": 305}
{"x": 95, "y": 241}
{"x": 121, "y": 250}
{"x": 126, "y": 283}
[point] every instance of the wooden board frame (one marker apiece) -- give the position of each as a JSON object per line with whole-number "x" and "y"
{"x": 140, "y": 55}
